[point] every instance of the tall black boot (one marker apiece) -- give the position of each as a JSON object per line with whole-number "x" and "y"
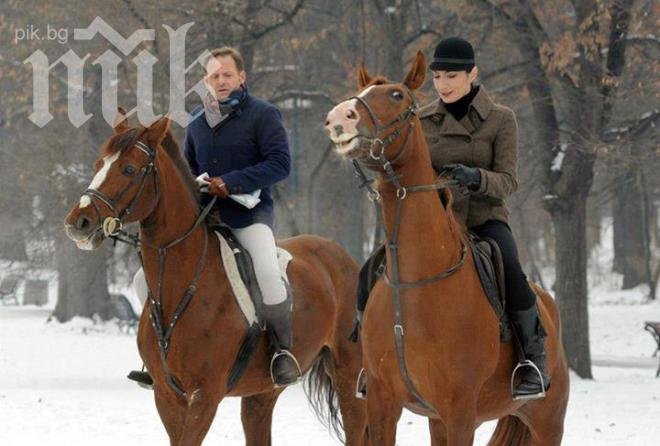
{"x": 535, "y": 379}
{"x": 284, "y": 367}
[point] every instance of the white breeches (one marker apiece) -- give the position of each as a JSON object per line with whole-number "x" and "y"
{"x": 259, "y": 241}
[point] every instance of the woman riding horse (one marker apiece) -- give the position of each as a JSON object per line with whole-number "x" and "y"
{"x": 475, "y": 141}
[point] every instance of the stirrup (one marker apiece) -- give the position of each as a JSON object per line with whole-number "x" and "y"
{"x": 139, "y": 378}
{"x": 361, "y": 385}
{"x": 272, "y": 362}
{"x": 531, "y": 396}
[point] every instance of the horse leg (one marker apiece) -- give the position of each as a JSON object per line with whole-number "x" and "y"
{"x": 460, "y": 419}
{"x": 172, "y": 413}
{"x": 383, "y": 413}
{"x": 353, "y": 410}
{"x": 438, "y": 432}
{"x": 544, "y": 418}
{"x": 199, "y": 416}
{"x": 257, "y": 417}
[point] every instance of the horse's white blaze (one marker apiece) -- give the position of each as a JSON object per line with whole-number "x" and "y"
{"x": 342, "y": 124}
{"x": 338, "y": 116}
{"x": 99, "y": 178}
{"x": 365, "y": 92}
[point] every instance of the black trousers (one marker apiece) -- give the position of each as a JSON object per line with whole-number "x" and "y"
{"x": 519, "y": 295}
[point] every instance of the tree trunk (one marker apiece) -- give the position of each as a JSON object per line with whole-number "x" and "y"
{"x": 12, "y": 240}
{"x": 82, "y": 281}
{"x": 571, "y": 284}
{"x": 629, "y": 232}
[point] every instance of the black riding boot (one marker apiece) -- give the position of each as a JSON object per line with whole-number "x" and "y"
{"x": 284, "y": 367}
{"x": 141, "y": 377}
{"x": 535, "y": 379}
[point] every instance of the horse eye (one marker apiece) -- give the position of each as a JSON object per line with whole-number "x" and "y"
{"x": 397, "y": 95}
{"x": 128, "y": 170}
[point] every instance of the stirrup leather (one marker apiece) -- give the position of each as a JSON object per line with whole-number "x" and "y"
{"x": 361, "y": 385}
{"x": 290, "y": 355}
{"x": 529, "y": 364}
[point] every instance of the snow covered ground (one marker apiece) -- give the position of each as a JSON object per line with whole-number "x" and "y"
{"x": 63, "y": 384}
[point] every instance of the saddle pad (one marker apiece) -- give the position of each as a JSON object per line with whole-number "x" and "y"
{"x": 241, "y": 293}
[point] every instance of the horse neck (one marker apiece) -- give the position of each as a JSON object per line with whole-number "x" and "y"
{"x": 174, "y": 214}
{"x": 176, "y": 209}
{"x": 426, "y": 243}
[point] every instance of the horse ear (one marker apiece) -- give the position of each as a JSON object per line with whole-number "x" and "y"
{"x": 157, "y": 131}
{"x": 417, "y": 73}
{"x": 363, "y": 77}
{"x": 120, "y": 124}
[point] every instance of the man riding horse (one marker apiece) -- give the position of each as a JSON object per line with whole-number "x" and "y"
{"x": 238, "y": 145}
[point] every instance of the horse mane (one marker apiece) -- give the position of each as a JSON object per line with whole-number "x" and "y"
{"x": 447, "y": 200}
{"x": 174, "y": 151}
{"x": 127, "y": 139}
{"x": 378, "y": 80}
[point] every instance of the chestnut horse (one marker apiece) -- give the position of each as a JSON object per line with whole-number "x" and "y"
{"x": 454, "y": 370}
{"x": 141, "y": 176}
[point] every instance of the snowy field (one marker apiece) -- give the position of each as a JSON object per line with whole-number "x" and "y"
{"x": 63, "y": 384}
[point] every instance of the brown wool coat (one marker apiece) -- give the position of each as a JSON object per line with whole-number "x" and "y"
{"x": 487, "y": 138}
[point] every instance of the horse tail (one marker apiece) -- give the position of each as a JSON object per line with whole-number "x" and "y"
{"x": 321, "y": 393}
{"x": 510, "y": 431}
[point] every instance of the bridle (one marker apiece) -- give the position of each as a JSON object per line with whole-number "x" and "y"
{"x": 382, "y": 142}
{"x": 407, "y": 117}
{"x": 113, "y": 227}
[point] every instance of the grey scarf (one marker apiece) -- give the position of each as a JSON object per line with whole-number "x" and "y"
{"x": 212, "y": 110}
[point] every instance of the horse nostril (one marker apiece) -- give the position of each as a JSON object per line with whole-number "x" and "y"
{"x": 339, "y": 129}
{"x": 82, "y": 223}
{"x": 351, "y": 114}
{"x": 327, "y": 122}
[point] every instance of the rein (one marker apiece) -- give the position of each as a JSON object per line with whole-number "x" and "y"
{"x": 394, "y": 281}
{"x": 112, "y": 227}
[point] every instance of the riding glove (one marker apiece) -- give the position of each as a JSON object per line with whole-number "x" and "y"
{"x": 218, "y": 187}
{"x": 469, "y": 177}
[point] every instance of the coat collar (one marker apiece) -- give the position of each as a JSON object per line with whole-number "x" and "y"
{"x": 482, "y": 103}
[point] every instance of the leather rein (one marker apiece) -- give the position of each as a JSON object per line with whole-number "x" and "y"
{"x": 112, "y": 227}
{"x": 380, "y": 143}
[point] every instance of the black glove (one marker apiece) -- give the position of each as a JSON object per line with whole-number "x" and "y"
{"x": 469, "y": 177}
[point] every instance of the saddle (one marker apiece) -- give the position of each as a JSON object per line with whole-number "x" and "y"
{"x": 238, "y": 266}
{"x": 490, "y": 268}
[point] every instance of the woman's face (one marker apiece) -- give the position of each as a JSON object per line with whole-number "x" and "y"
{"x": 453, "y": 85}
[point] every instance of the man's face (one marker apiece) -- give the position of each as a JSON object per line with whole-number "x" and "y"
{"x": 222, "y": 76}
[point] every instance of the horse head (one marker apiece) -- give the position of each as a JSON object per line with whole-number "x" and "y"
{"x": 124, "y": 188}
{"x": 377, "y": 123}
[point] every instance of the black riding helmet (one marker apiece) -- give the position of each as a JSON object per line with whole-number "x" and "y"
{"x": 453, "y": 54}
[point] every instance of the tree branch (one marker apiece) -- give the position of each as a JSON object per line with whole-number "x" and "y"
{"x": 286, "y": 19}
{"x": 634, "y": 128}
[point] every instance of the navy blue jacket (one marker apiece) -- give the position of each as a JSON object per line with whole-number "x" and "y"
{"x": 249, "y": 150}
